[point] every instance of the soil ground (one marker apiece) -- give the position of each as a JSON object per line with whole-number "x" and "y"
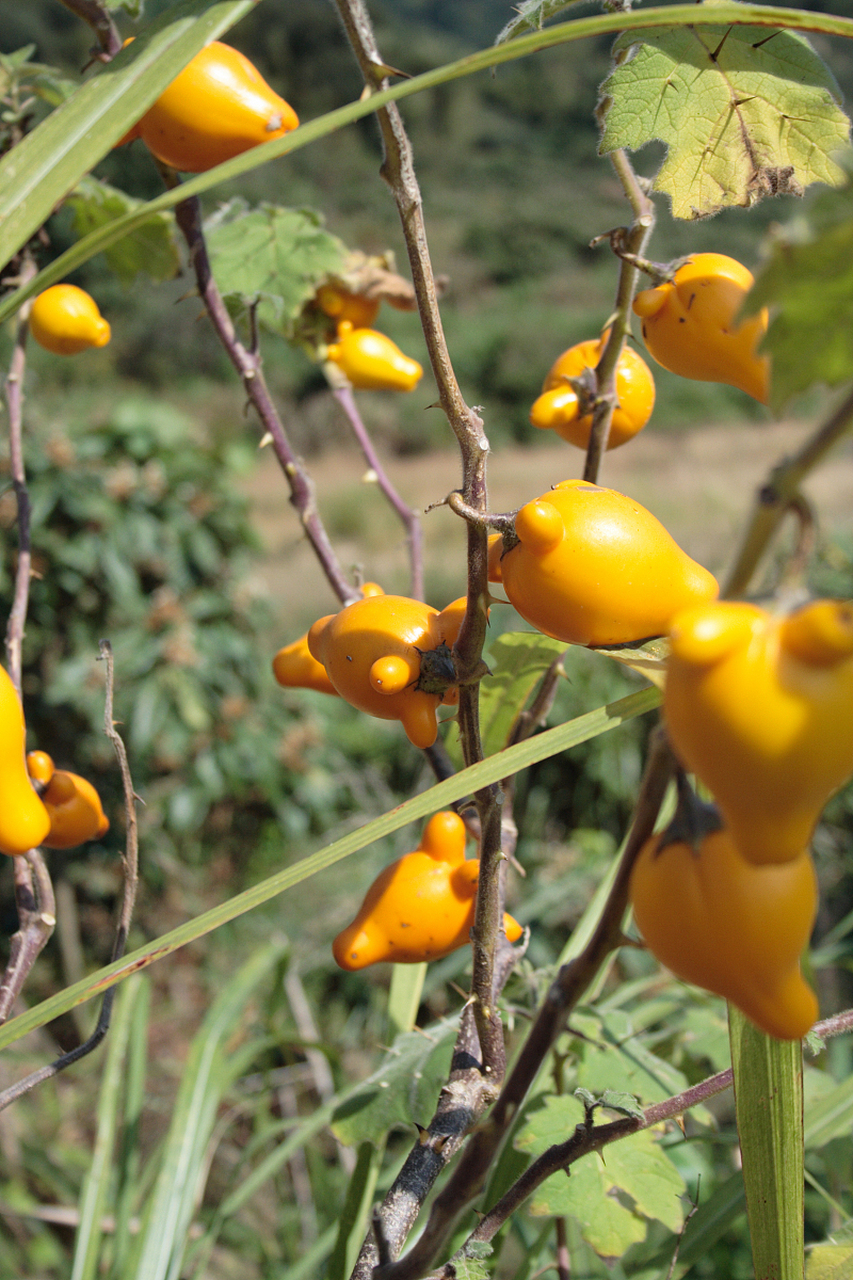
{"x": 701, "y": 483}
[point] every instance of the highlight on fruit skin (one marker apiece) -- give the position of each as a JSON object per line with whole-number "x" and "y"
{"x": 558, "y": 407}
{"x": 591, "y": 566}
{"x": 218, "y": 107}
{"x": 690, "y": 325}
{"x": 421, "y": 907}
{"x": 65, "y": 320}
{"x": 371, "y": 361}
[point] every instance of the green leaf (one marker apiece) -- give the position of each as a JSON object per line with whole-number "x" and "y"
{"x": 38, "y": 174}
{"x": 550, "y": 37}
{"x": 210, "y": 1069}
{"x": 402, "y": 1090}
{"x": 831, "y": 1116}
{"x": 635, "y": 1169}
{"x": 151, "y": 249}
{"x": 744, "y": 114}
{"x": 517, "y": 660}
{"x": 273, "y": 256}
{"x": 648, "y": 659}
{"x": 768, "y": 1083}
{"x": 94, "y": 1196}
{"x": 829, "y": 1262}
{"x": 625, "y": 1103}
{"x": 807, "y": 281}
{"x": 532, "y": 16}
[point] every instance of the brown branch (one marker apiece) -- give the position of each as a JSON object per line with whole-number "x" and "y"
{"x": 479, "y": 1085}
{"x": 410, "y": 519}
{"x": 632, "y": 240}
{"x": 130, "y": 861}
{"x": 14, "y": 391}
{"x": 571, "y": 982}
{"x": 98, "y": 18}
{"x": 774, "y": 498}
{"x": 249, "y": 368}
{"x": 36, "y": 907}
{"x": 461, "y": 1103}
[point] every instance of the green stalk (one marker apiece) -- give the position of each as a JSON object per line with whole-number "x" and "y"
{"x": 768, "y": 1084}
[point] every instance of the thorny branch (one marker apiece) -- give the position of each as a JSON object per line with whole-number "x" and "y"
{"x": 410, "y": 519}
{"x": 99, "y": 19}
{"x": 34, "y": 897}
{"x": 248, "y": 366}
{"x": 130, "y": 861}
{"x": 480, "y": 1051}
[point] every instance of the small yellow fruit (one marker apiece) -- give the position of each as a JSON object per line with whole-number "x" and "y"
{"x": 65, "y": 320}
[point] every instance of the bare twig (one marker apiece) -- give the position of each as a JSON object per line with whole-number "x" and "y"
{"x": 14, "y": 390}
{"x": 66, "y": 1060}
{"x": 98, "y": 17}
{"x": 410, "y": 519}
{"x": 633, "y": 240}
{"x": 36, "y": 921}
{"x": 34, "y": 897}
{"x": 248, "y": 366}
{"x": 782, "y": 487}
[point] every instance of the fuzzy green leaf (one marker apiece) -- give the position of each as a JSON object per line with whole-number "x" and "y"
{"x": 531, "y": 15}
{"x": 150, "y": 249}
{"x": 402, "y": 1090}
{"x": 611, "y": 1195}
{"x": 830, "y": 1262}
{"x": 273, "y": 256}
{"x": 807, "y": 281}
{"x": 517, "y": 660}
{"x": 744, "y": 114}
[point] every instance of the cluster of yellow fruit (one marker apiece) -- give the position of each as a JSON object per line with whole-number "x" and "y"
{"x": 690, "y": 326}
{"x": 39, "y": 804}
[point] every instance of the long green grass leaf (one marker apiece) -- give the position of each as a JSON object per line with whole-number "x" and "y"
{"x": 207, "y": 1074}
{"x": 97, "y": 1185}
{"x": 129, "y": 1162}
{"x": 563, "y": 33}
{"x": 515, "y": 758}
{"x": 38, "y": 173}
{"x": 768, "y": 1082}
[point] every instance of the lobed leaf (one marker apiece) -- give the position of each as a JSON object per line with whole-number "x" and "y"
{"x": 744, "y": 115}
{"x": 807, "y": 281}
{"x": 635, "y": 1169}
{"x": 271, "y": 256}
{"x": 402, "y": 1090}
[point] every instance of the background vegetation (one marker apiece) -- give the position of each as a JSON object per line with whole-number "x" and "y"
{"x": 160, "y": 556}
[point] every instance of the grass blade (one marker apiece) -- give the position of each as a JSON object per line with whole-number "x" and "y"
{"x": 540, "y": 747}
{"x": 97, "y": 1185}
{"x": 768, "y": 1082}
{"x": 38, "y": 174}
